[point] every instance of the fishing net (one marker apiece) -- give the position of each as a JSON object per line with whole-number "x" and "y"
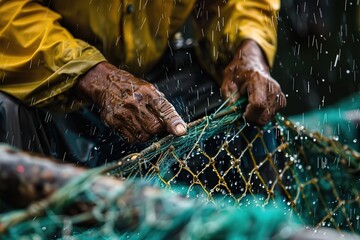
{"x": 227, "y": 172}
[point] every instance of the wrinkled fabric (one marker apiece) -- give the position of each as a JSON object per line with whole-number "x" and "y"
{"x": 40, "y": 60}
{"x": 78, "y": 137}
{"x": 81, "y": 137}
{"x": 21, "y": 127}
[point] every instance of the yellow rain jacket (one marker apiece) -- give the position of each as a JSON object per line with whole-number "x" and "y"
{"x": 46, "y": 45}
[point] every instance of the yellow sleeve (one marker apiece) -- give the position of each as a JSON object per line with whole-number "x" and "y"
{"x": 40, "y": 60}
{"x": 225, "y": 25}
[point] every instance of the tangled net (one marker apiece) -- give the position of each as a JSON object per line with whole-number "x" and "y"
{"x": 314, "y": 175}
{"x": 248, "y": 172}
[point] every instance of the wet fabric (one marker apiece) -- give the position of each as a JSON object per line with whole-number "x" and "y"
{"x": 21, "y": 126}
{"x": 43, "y": 52}
{"x": 78, "y": 137}
{"x": 81, "y": 137}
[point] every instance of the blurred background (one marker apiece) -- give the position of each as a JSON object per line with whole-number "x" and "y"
{"x": 317, "y": 65}
{"x": 318, "y": 54}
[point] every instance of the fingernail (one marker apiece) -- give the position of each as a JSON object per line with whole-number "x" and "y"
{"x": 180, "y": 129}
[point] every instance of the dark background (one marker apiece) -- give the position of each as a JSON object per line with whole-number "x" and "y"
{"x": 318, "y": 57}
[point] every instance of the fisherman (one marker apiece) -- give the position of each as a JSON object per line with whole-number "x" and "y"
{"x": 57, "y": 57}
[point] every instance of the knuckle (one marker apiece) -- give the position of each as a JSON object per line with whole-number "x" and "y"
{"x": 284, "y": 102}
{"x": 273, "y": 83}
{"x": 157, "y": 100}
{"x": 128, "y": 137}
{"x": 156, "y": 127}
{"x": 148, "y": 89}
{"x": 138, "y": 96}
{"x": 228, "y": 70}
{"x": 142, "y": 137}
{"x": 225, "y": 92}
{"x": 259, "y": 106}
{"x": 107, "y": 119}
{"x": 128, "y": 106}
{"x": 165, "y": 107}
{"x": 170, "y": 113}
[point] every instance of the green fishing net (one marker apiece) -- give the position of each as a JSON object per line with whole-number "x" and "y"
{"x": 225, "y": 179}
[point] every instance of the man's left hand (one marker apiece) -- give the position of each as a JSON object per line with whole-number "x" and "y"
{"x": 248, "y": 73}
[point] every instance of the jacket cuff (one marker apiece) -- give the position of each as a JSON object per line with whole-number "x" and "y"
{"x": 57, "y": 91}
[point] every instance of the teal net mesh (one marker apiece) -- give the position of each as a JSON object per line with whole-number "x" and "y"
{"x": 225, "y": 169}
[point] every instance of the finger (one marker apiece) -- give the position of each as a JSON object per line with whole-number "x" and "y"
{"x": 148, "y": 118}
{"x": 142, "y": 136}
{"x": 128, "y": 120}
{"x": 276, "y": 98}
{"x": 118, "y": 126}
{"x": 281, "y": 101}
{"x": 255, "y": 114}
{"x": 229, "y": 88}
{"x": 230, "y": 92}
{"x": 257, "y": 102}
{"x": 265, "y": 117}
{"x": 167, "y": 113}
{"x": 275, "y": 101}
{"x": 126, "y": 134}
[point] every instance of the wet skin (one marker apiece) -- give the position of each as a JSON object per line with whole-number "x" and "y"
{"x": 248, "y": 74}
{"x": 133, "y": 107}
{"x": 137, "y": 110}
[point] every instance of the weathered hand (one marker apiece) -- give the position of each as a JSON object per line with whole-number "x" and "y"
{"x": 248, "y": 73}
{"x": 133, "y": 107}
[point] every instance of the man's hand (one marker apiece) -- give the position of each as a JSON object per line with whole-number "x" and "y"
{"x": 248, "y": 73}
{"x": 133, "y": 107}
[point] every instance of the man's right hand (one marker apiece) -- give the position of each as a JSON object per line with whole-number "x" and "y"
{"x": 133, "y": 107}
